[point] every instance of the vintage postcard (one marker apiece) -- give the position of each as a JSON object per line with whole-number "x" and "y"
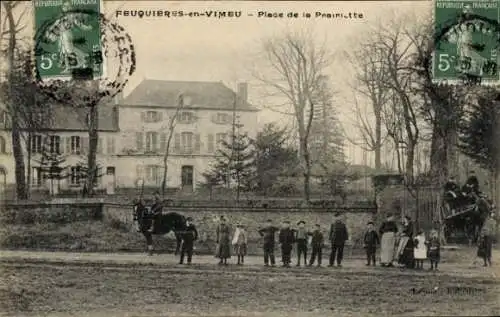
{"x": 249, "y": 158}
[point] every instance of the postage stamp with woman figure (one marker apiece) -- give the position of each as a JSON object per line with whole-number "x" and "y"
{"x": 466, "y": 42}
{"x": 69, "y": 36}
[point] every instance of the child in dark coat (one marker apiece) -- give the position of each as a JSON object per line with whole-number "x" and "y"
{"x": 371, "y": 240}
{"x": 286, "y": 238}
{"x": 434, "y": 250}
{"x": 317, "y": 245}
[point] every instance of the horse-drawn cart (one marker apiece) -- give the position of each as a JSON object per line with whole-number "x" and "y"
{"x": 464, "y": 222}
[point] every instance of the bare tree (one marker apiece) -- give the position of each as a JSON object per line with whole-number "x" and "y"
{"x": 296, "y": 65}
{"x": 170, "y": 133}
{"x": 370, "y": 77}
{"x": 20, "y": 93}
{"x": 443, "y": 105}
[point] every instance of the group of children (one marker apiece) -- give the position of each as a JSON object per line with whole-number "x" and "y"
{"x": 423, "y": 248}
{"x": 287, "y": 237}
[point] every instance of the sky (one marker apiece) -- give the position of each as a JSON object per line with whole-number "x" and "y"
{"x": 213, "y": 49}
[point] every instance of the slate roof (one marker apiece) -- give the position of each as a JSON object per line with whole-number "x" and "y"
{"x": 74, "y": 119}
{"x": 66, "y": 118}
{"x": 204, "y": 95}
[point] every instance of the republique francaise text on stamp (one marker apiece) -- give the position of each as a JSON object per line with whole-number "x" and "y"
{"x": 68, "y": 38}
{"x": 466, "y": 41}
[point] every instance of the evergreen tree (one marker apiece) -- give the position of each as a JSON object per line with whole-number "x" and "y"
{"x": 326, "y": 139}
{"x": 272, "y": 157}
{"x": 82, "y": 172}
{"x": 480, "y": 132}
{"x": 51, "y": 167}
{"x": 234, "y": 164}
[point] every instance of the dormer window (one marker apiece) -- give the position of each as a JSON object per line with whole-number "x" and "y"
{"x": 151, "y": 116}
{"x": 186, "y": 117}
{"x": 222, "y": 118}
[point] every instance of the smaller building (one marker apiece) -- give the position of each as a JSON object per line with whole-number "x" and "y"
{"x": 63, "y": 138}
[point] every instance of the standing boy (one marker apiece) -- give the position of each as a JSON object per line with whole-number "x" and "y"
{"x": 189, "y": 236}
{"x": 371, "y": 240}
{"x": 287, "y": 238}
{"x": 317, "y": 245}
{"x": 338, "y": 237}
{"x": 269, "y": 233}
{"x": 301, "y": 238}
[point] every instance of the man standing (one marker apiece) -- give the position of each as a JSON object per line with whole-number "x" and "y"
{"x": 269, "y": 237}
{"x": 156, "y": 210}
{"x": 338, "y": 236}
{"x": 301, "y": 238}
{"x": 450, "y": 193}
{"x": 286, "y": 240}
{"x": 488, "y": 233}
{"x": 189, "y": 236}
{"x": 317, "y": 245}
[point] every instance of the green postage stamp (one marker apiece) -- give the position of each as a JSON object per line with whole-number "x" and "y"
{"x": 68, "y": 38}
{"x": 466, "y": 41}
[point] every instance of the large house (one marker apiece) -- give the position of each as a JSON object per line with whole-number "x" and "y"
{"x": 134, "y": 133}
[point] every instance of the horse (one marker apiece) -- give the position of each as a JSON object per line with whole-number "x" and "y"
{"x": 164, "y": 223}
{"x": 471, "y": 222}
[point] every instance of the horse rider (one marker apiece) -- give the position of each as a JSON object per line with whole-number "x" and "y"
{"x": 156, "y": 210}
{"x": 471, "y": 187}
{"x": 451, "y": 193}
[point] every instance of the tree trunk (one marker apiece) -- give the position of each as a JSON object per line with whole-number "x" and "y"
{"x": 91, "y": 158}
{"x": 378, "y": 139}
{"x": 410, "y": 160}
{"x": 307, "y": 171}
{"x": 17, "y": 149}
{"x": 28, "y": 174}
{"x": 439, "y": 156}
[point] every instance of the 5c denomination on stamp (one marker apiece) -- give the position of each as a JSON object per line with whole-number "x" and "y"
{"x": 466, "y": 41}
{"x": 68, "y": 37}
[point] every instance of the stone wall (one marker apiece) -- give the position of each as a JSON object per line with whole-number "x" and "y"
{"x": 73, "y": 216}
{"x": 206, "y": 220}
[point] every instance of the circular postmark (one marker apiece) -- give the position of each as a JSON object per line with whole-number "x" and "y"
{"x": 89, "y": 68}
{"x": 465, "y": 46}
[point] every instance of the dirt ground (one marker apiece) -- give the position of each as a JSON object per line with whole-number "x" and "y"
{"x": 63, "y": 284}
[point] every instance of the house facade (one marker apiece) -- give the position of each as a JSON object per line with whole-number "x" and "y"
{"x": 202, "y": 114}
{"x": 134, "y": 135}
{"x": 65, "y": 139}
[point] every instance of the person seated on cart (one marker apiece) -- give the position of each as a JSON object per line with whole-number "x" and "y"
{"x": 452, "y": 194}
{"x": 471, "y": 188}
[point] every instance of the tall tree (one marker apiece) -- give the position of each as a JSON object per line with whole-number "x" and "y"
{"x": 370, "y": 77}
{"x": 296, "y": 65}
{"x": 480, "y": 132}
{"x": 442, "y": 106}
{"x": 272, "y": 156}
{"x": 14, "y": 93}
{"x": 326, "y": 137}
{"x": 234, "y": 164}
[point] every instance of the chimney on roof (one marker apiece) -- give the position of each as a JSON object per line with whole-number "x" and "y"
{"x": 243, "y": 92}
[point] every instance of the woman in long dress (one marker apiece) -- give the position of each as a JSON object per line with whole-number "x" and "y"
{"x": 223, "y": 241}
{"x": 405, "y": 253}
{"x": 387, "y": 232}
